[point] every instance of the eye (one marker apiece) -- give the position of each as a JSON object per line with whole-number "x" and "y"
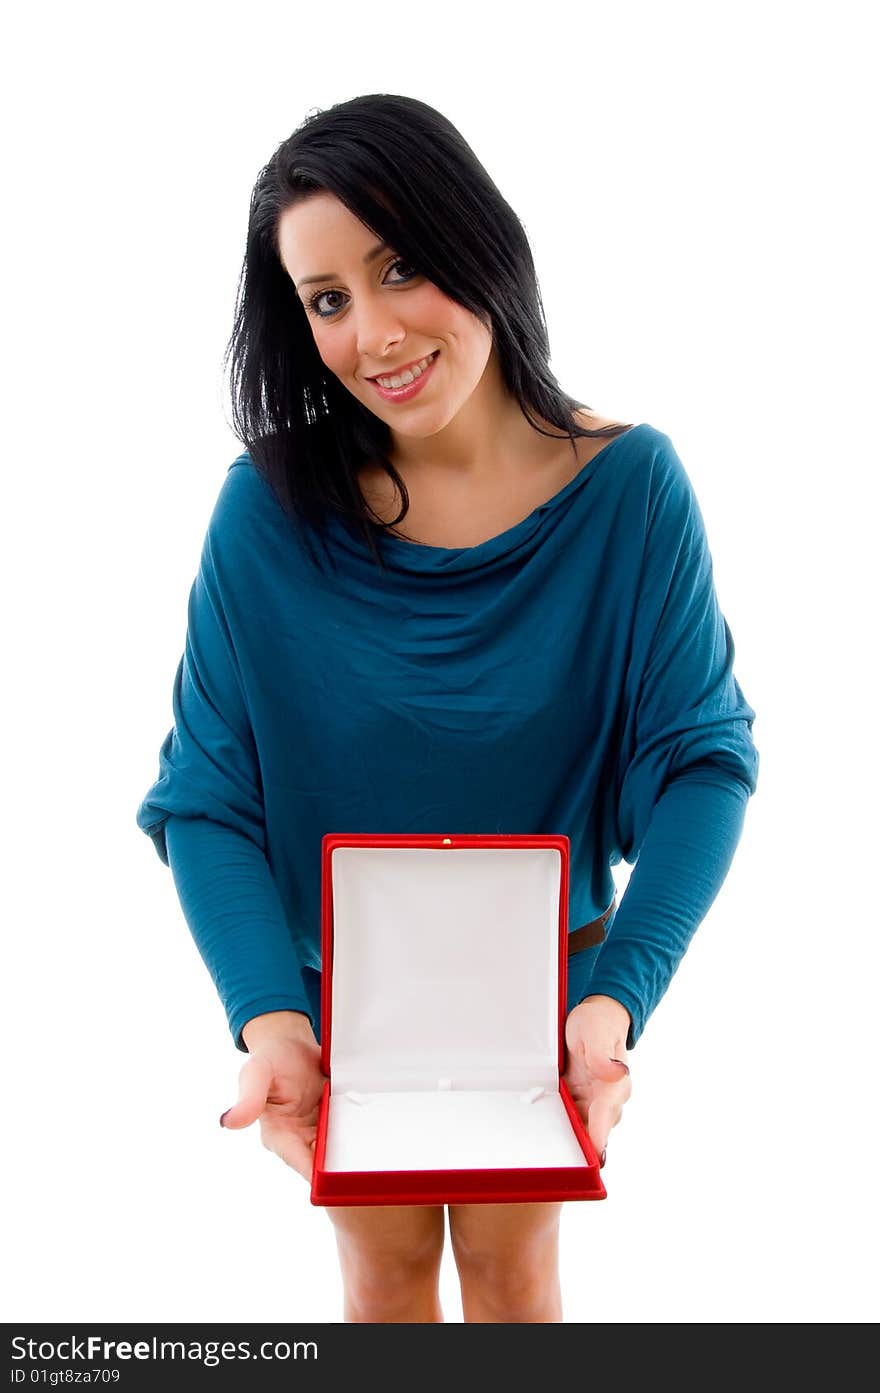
{"x": 313, "y": 301}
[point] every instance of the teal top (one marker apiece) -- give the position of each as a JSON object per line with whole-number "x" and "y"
{"x": 573, "y": 674}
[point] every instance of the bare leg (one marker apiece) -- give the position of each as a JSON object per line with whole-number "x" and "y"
{"x": 507, "y": 1257}
{"x": 390, "y": 1259}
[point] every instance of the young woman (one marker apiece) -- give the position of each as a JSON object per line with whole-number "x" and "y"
{"x": 436, "y": 592}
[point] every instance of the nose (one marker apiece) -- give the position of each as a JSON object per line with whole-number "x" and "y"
{"x": 378, "y": 331}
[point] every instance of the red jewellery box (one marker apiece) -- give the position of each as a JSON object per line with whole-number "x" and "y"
{"x": 443, "y": 1011}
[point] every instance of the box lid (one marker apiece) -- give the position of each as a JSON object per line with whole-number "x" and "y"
{"x": 444, "y": 961}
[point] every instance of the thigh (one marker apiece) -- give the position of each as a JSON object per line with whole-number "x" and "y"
{"x": 392, "y": 1232}
{"x": 504, "y": 1232}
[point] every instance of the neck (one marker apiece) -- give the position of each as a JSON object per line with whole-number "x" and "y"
{"x": 488, "y": 439}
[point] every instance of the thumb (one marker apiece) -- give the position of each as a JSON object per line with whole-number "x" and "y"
{"x": 603, "y": 1066}
{"x": 605, "y": 1056}
{"x": 254, "y": 1082}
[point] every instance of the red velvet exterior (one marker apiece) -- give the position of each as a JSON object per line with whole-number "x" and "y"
{"x": 489, "y": 1185}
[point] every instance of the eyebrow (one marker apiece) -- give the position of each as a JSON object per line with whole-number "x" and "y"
{"x": 334, "y": 275}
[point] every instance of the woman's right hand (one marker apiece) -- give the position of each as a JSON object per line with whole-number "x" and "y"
{"x": 281, "y": 1084}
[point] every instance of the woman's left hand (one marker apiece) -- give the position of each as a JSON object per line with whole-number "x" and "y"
{"x": 596, "y": 1072}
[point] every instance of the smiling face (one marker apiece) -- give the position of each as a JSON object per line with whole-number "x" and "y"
{"x": 371, "y": 314}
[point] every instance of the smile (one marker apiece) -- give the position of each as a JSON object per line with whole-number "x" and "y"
{"x": 408, "y": 382}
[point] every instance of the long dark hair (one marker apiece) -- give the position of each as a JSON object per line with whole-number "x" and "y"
{"x": 407, "y": 173}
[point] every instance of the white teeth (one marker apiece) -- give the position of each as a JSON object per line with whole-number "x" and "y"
{"x": 406, "y": 377}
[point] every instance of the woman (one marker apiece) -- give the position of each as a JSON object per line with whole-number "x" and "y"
{"x": 510, "y": 626}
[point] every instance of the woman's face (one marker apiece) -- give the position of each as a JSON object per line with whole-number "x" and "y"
{"x": 372, "y": 315}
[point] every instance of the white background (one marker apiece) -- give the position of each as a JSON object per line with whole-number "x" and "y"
{"x": 695, "y": 181}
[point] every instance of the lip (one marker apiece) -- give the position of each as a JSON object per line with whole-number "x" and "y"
{"x": 411, "y": 389}
{"x": 392, "y": 372}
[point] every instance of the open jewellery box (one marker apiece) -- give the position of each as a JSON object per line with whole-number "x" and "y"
{"x": 443, "y": 1006}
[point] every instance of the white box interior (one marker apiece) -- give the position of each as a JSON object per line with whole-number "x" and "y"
{"x": 445, "y": 1010}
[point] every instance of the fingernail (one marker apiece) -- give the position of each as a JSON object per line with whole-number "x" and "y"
{"x": 223, "y": 1116}
{"x": 620, "y": 1061}
{"x": 602, "y": 1159}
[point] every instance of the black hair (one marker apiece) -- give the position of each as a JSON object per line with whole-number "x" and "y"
{"x": 405, "y": 171}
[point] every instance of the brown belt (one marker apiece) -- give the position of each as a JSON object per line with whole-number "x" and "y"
{"x": 588, "y": 935}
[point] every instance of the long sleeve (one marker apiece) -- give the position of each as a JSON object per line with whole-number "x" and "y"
{"x": 687, "y": 762}
{"x": 209, "y": 797}
{"x": 208, "y": 765}
{"x": 688, "y": 849}
{"x": 231, "y": 904}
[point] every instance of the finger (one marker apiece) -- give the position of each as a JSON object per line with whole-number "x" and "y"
{"x": 598, "y": 1127}
{"x": 254, "y": 1083}
{"x": 293, "y": 1150}
{"x": 604, "y": 1113}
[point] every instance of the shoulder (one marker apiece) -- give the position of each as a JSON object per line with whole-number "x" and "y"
{"x": 245, "y": 505}
{"x": 243, "y": 484}
{"x": 247, "y": 532}
{"x": 648, "y": 457}
{"x": 645, "y": 473}
{"x": 252, "y": 537}
{"x": 666, "y": 498}
{"x": 651, "y": 441}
